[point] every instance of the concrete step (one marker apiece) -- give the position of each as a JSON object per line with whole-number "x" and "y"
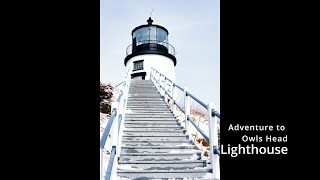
{"x": 149, "y": 115}
{"x": 148, "y": 112}
{"x": 140, "y": 90}
{"x": 200, "y": 173}
{"x": 158, "y": 150}
{"x": 152, "y": 119}
{"x": 177, "y": 147}
{"x": 138, "y": 112}
{"x": 166, "y": 138}
{"x": 137, "y": 84}
{"x": 152, "y": 126}
{"x": 198, "y": 153}
{"x": 149, "y": 109}
{"x": 151, "y": 134}
{"x": 167, "y": 157}
{"x": 146, "y": 103}
{"x": 144, "y": 93}
{"x": 160, "y": 106}
{"x": 132, "y": 96}
{"x": 142, "y": 87}
{"x": 147, "y": 106}
{"x": 139, "y": 99}
{"x": 152, "y": 123}
{"x": 141, "y": 84}
{"x": 156, "y": 143}
{"x": 164, "y": 165}
{"x": 155, "y": 107}
{"x": 155, "y": 130}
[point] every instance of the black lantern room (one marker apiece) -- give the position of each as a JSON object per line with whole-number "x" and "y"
{"x": 150, "y": 39}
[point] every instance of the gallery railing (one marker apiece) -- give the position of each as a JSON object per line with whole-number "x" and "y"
{"x": 151, "y": 45}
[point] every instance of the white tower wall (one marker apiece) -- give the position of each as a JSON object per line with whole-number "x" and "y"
{"x": 161, "y": 63}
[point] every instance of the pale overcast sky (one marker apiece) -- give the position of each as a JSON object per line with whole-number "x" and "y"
{"x": 194, "y": 31}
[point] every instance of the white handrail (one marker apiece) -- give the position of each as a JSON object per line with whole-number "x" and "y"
{"x": 212, "y": 114}
{"x": 116, "y": 129}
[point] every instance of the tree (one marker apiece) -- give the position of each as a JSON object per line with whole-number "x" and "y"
{"x": 105, "y": 98}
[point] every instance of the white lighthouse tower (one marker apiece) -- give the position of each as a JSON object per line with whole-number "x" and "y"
{"x": 150, "y": 49}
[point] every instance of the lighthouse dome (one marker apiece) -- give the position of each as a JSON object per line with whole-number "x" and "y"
{"x": 150, "y": 39}
{"x": 150, "y": 48}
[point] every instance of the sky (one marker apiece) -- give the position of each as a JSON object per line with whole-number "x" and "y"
{"x": 194, "y": 31}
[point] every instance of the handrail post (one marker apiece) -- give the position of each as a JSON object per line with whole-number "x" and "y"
{"x": 114, "y": 129}
{"x": 101, "y": 163}
{"x": 186, "y": 110}
{"x": 213, "y": 140}
{"x": 151, "y": 73}
{"x": 120, "y": 105}
{"x": 159, "y": 82}
{"x": 164, "y": 88}
{"x": 114, "y": 134}
{"x": 174, "y": 107}
{"x": 153, "y": 78}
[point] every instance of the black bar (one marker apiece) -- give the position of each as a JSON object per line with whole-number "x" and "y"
{"x": 179, "y": 107}
{"x": 197, "y": 127}
{"x": 216, "y": 113}
{"x": 216, "y": 150}
{"x": 168, "y": 95}
{"x": 119, "y": 84}
{"x": 179, "y": 87}
{"x": 196, "y": 99}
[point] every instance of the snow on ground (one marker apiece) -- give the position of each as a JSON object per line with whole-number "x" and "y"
{"x": 127, "y": 167}
{"x": 192, "y": 158}
{"x": 175, "y": 151}
{"x": 206, "y": 177}
{"x": 122, "y": 178}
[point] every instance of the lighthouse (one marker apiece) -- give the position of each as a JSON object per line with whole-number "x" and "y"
{"x": 150, "y": 48}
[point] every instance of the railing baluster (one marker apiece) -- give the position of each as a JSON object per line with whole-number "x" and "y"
{"x": 213, "y": 140}
{"x": 110, "y": 164}
{"x": 159, "y": 79}
{"x": 164, "y": 89}
{"x": 101, "y": 163}
{"x": 174, "y": 98}
{"x": 186, "y": 110}
{"x": 114, "y": 134}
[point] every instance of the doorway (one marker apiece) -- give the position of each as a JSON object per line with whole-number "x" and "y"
{"x": 139, "y": 76}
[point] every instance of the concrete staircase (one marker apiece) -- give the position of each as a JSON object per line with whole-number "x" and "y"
{"x": 154, "y": 144}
